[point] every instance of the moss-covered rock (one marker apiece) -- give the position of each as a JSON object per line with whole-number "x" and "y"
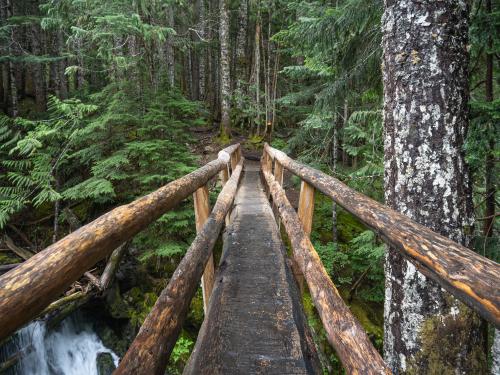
{"x": 105, "y": 364}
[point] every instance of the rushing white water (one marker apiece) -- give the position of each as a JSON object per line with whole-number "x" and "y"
{"x": 71, "y": 349}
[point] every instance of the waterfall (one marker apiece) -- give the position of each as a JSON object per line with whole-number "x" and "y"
{"x": 71, "y": 349}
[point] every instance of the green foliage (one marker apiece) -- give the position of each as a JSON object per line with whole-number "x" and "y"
{"x": 180, "y": 354}
{"x": 139, "y": 305}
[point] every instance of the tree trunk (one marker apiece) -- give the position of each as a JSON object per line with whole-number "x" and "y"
{"x": 490, "y": 155}
{"x": 61, "y": 66}
{"x": 490, "y": 185}
{"x": 169, "y": 47}
{"x": 335, "y": 153}
{"x": 241, "y": 45}
{"x": 256, "y": 71}
{"x": 495, "y": 352}
{"x": 11, "y": 93}
{"x": 425, "y": 118}
{"x": 80, "y": 74}
{"x": 202, "y": 54}
{"x": 225, "y": 67}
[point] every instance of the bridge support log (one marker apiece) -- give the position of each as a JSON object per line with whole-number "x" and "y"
{"x": 27, "y": 289}
{"x": 471, "y": 278}
{"x": 150, "y": 351}
{"x": 344, "y": 332}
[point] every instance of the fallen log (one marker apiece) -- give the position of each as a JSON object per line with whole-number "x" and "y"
{"x": 25, "y": 254}
{"x": 112, "y": 265}
{"x": 150, "y": 351}
{"x": 27, "y": 289}
{"x": 22, "y": 236}
{"x": 470, "y": 277}
{"x": 344, "y": 332}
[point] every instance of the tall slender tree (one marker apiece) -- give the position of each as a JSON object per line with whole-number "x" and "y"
{"x": 225, "y": 69}
{"x": 425, "y": 120}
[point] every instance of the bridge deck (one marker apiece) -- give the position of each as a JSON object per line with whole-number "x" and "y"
{"x": 255, "y": 320}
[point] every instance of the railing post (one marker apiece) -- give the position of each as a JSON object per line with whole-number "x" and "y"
{"x": 278, "y": 175}
{"x": 224, "y": 176}
{"x": 234, "y": 160}
{"x": 201, "y": 212}
{"x": 306, "y": 206}
{"x": 305, "y": 213}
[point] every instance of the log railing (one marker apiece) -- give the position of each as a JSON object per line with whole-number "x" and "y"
{"x": 470, "y": 277}
{"x": 151, "y": 349}
{"x": 26, "y": 290}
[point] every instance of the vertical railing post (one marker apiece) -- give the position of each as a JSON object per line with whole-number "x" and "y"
{"x": 224, "y": 176}
{"x": 201, "y": 212}
{"x": 305, "y": 213}
{"x": 234, "y": 159}
{"x": 306, "y": 206}
{"x": 278, "y": 175}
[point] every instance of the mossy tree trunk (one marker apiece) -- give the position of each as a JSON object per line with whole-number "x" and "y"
{"x": 425, "y": 75}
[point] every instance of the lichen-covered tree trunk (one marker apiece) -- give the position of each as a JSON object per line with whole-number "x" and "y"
{"x": 425, "y": 63}
{"x": 225, "y": 69}
{"x": 495, "y": 353}
{"x": 202, "y": 26}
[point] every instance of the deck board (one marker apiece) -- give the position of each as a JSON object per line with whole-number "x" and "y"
{"x": 255, "y": 323}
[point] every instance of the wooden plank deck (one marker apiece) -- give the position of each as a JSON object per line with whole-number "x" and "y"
{"x": 255, "y": 323}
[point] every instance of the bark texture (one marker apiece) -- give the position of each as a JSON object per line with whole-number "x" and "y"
{"x": 225, "y": 69}
{"x": 425, "y": 118}
{"x": 169, "y": 47}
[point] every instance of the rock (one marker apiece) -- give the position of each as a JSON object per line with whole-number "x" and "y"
{"x": 105, "y": 364}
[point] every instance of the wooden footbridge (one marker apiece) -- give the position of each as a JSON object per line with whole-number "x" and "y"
{"x": 254, "y": 322}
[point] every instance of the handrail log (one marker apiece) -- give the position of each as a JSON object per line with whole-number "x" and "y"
{"x": 344, "y": 332}
{"x": 151, "y": 349}
{"x": 27, "y": 289}
{"x": 471, "y": 278}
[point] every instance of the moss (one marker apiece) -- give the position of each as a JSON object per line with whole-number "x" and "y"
{"x": 8, "y": 258}
{"x": 370, "y": 322}
{"x": 223, "y": 139}
{"x": 196, "y": 313}
{"x": 449, "y": 342}
{"x": 116, "y": 307}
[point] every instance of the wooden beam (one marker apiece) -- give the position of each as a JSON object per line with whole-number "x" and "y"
{"x": 278, "y": 176}
{"x": 224, "y": 176}
{"x": 234, "y": 161}
{"x": 470, "y": 277}
{"x": 27, "y": 289}
{"x": 344, "y": 332}
{"x": 151, "y": 349}
{"x": 306, "y": 206}
{"x": 201, "y": 213}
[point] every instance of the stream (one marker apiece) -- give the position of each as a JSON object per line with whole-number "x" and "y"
{"x": 73, "y": 348}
